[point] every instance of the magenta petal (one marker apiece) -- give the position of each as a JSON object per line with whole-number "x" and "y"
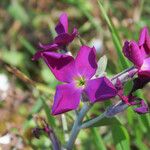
{"x": 86, "y": 61}
{"x": 133, "y": 53}
{"x": 144, "y": 41}
{"x": 145, "y": 69}
{"x": 142, "y": 109}
{"x": 62, "y": 66}
{"x": 67, "y": 98}
{"x": 62, "y": 26}
{"x": 143, "y": 35}
{"x": 100, "y": 89}
{"x": 65, "y": 38}
{"x": 50, "y": 47}
{"x": 46, "y": 48}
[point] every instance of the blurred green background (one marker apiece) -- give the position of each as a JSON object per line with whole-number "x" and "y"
{"x": 27, "y": 87}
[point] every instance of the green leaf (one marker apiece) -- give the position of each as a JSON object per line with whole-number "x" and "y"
{"x": 18, "y": 12}
{"x": 139, "y": 139}
{"x": 27, "y": 45}
{"x": 115, "y": 37}
{"x": 120, "y": 137}
{"x": 98, "y": 139}
{"x": 50, "y": 118}
{"x": 49, "y": 77}
{"x": 14, "y": 58}
{"x": 102, "y": 64}
{"x": 107, "y": 122}
{"x": 128, "y": 87}
{"x": 37, "y": 106}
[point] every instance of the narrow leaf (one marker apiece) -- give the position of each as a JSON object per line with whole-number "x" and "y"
{"x": 115, "y": 36}
{"x": 120, "y": 137}
{"x": 27, "y": 45}
{"x": 50, "y": 118}
{"x": 98, "y": 139}
{"x": 17, "y": 11}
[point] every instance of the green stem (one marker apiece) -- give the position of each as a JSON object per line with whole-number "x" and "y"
{"x": 123, "y": 76}
{"x": 93, "y": 121}
{"x": 76, "y": 127}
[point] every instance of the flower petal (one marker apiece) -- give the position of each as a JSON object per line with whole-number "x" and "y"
{"x": 144, "y": 41}
{"x": 67, "y": 98}
{"x": 86, "y": 61}
{"x": 62, "y": 26}
{"x": 145, "y": 69}
{"x": 50, "y": 46}
{"x": 100, "y": 89}
{"x": 62, "y": 66}
{"x": 46, "y": 48}
{"x": 142, "y": 37}
{"x": 65, "y": 38}
{"x": 142, "y": 109}
{"x": 133, "y": 53}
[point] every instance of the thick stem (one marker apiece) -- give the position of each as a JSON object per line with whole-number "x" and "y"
{"x": 76, "y": 127}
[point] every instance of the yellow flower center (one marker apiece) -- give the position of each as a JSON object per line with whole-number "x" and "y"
{"x": 80, "y": 82}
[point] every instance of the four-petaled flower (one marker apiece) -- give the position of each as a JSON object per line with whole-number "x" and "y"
{"x": 139, "y": 53}
{"x": 62, "y": 39}
{"x": 77, "y": 73}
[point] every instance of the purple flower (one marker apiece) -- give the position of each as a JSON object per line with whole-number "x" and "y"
{"x": 77, "y": 74}
{"x": 131, "y": 100}
{"x": 139, "y": 52}
{"x": 62, "y": 39}
{"x": 142, "y": 109}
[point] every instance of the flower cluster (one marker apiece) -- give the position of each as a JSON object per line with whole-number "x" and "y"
{"x": 139, "y": 53}
{"x": 78, "y": 74}
{"x": 62, "y": 39}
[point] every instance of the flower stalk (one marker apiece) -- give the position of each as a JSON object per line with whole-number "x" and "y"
{"x": 76, "y": 127}
{"x": 109, "y": 112}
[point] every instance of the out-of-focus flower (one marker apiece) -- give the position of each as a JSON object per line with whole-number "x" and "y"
{"x": 77, "y": 74}
{"x": 62, "y": 39}
{"x": 139, "y": 52}
{"x": 4, "y": 86}
{"x": 42, "y": 126}
{"x": 143, "y": 108}
{"x": 6, "y": 139}
{"x": 131, "y": 100}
